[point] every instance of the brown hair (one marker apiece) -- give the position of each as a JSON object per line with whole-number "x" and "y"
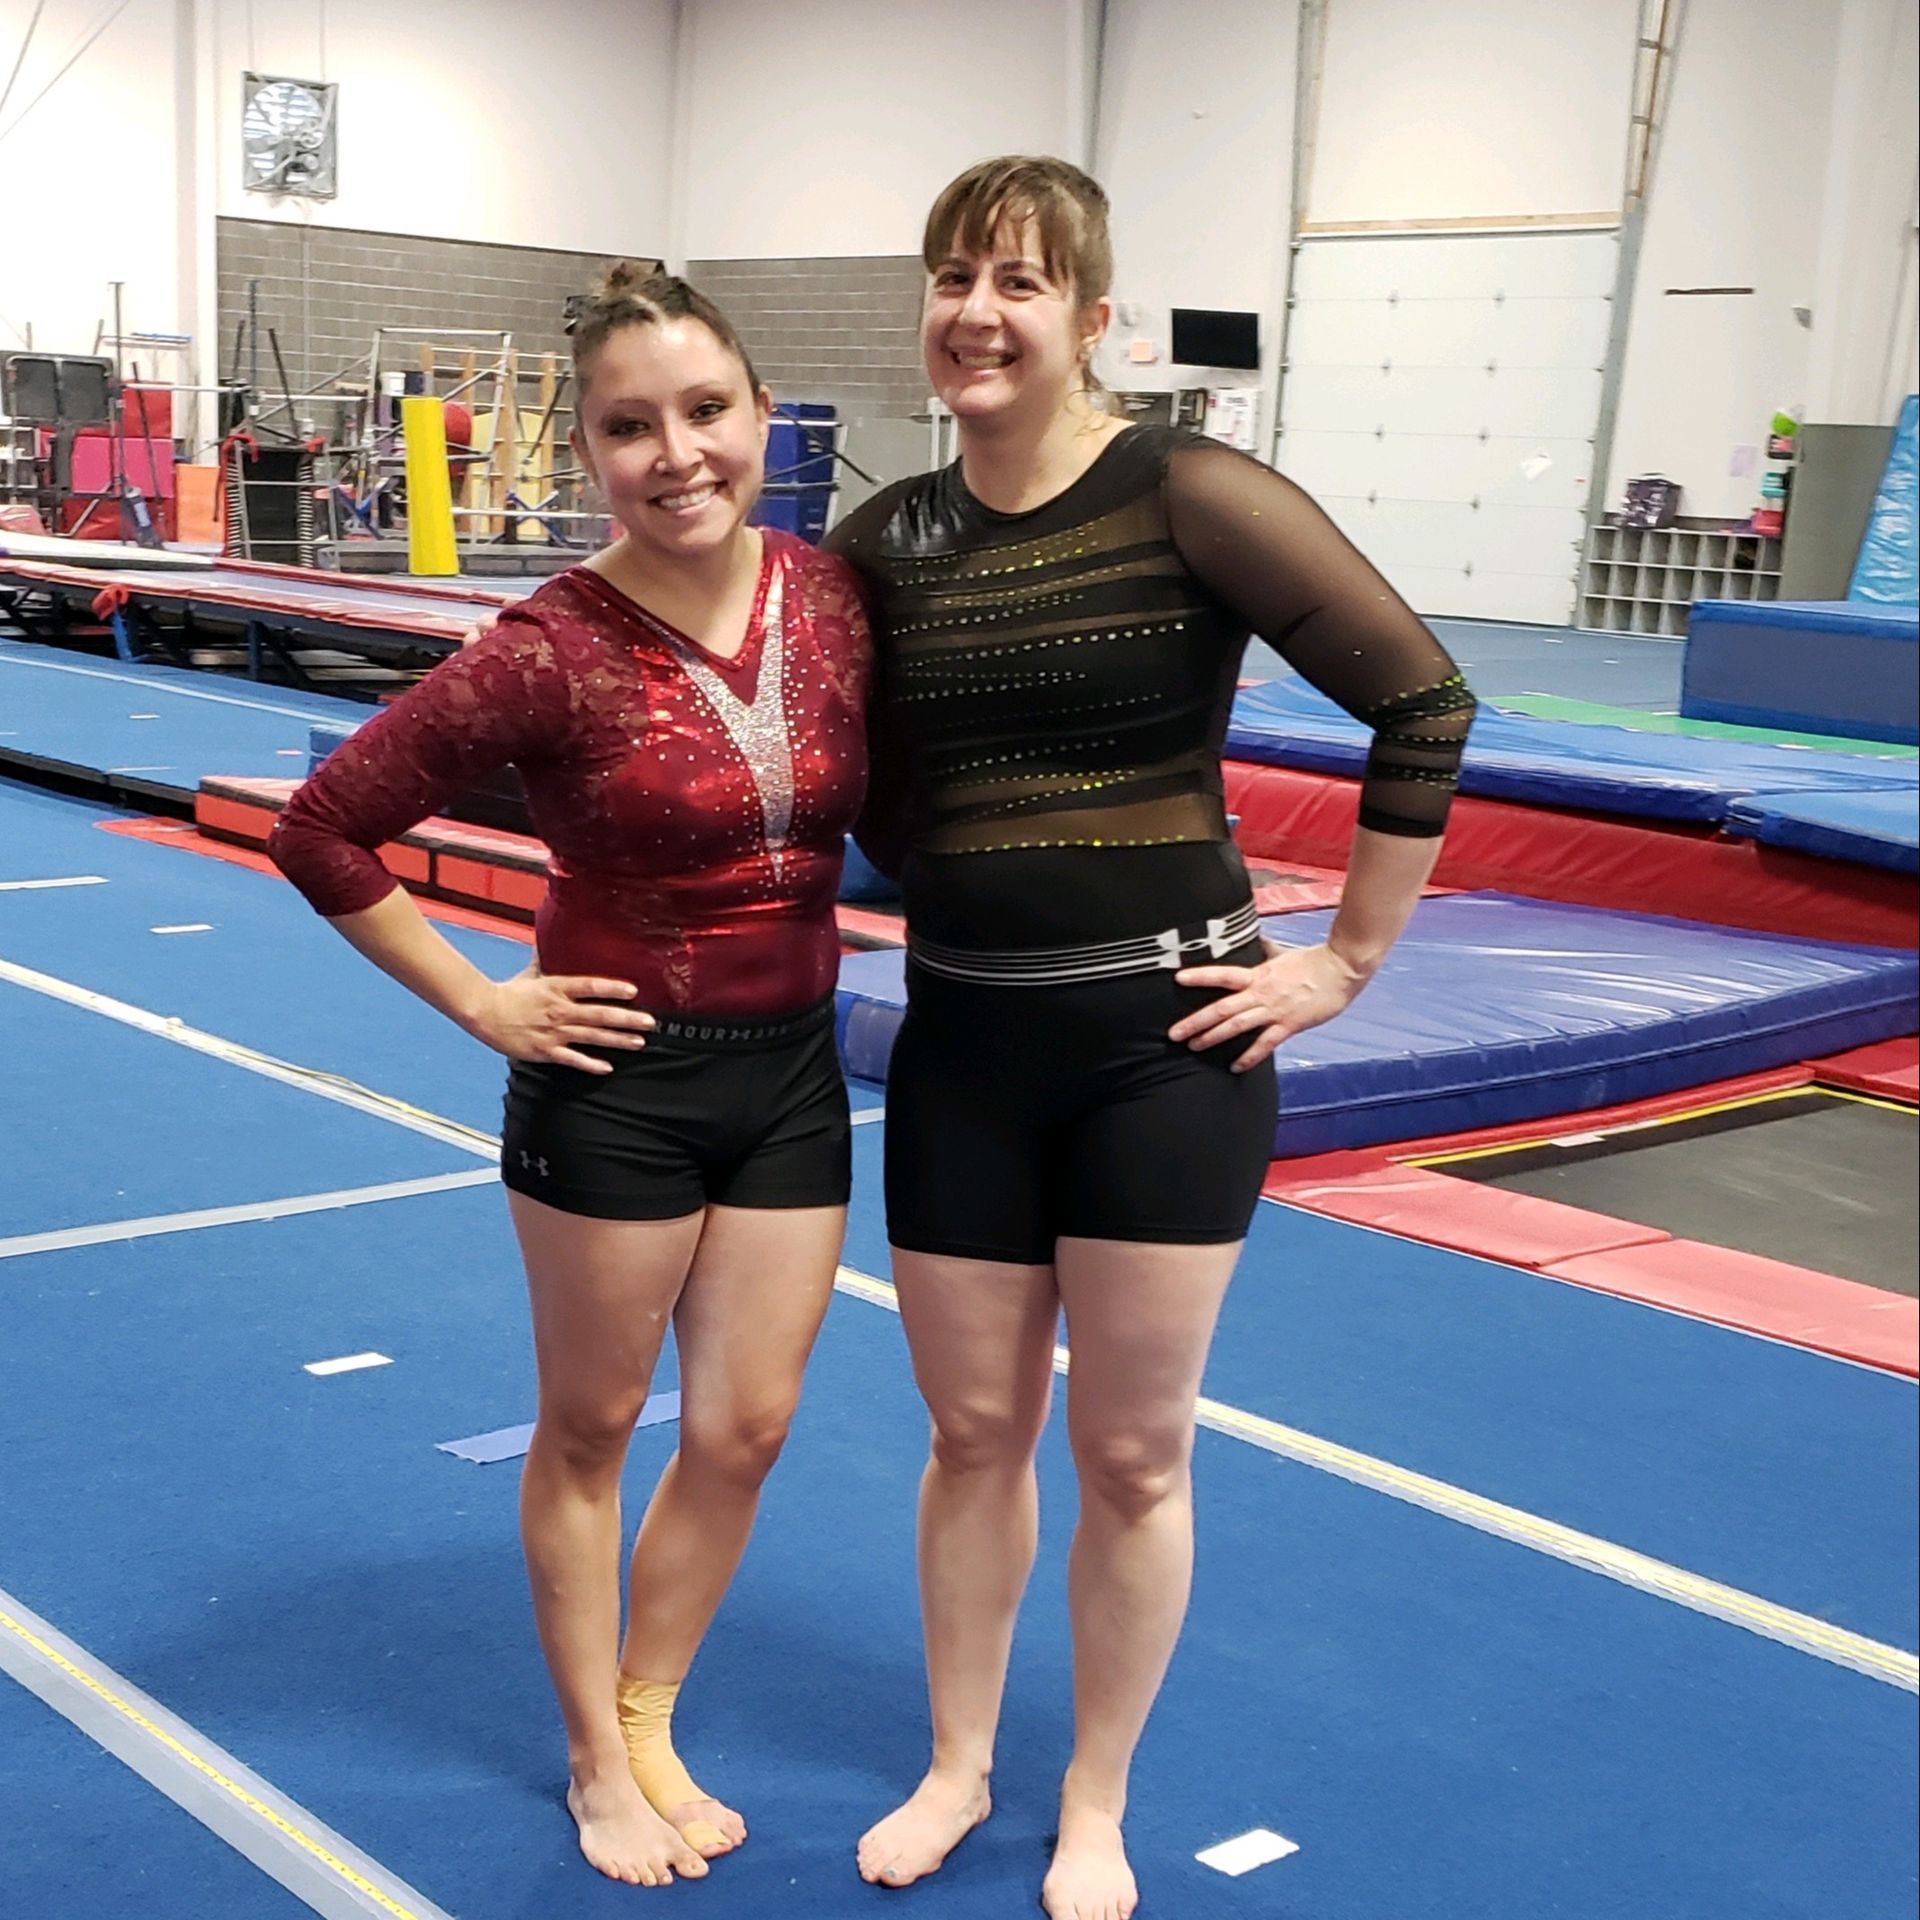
{"x": 630, "y": 295}
{"x": 1067, "y": 206}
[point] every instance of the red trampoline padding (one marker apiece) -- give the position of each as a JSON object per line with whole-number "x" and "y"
{"x": 1891, "y": 1070}
{"x": 1757, "y": 1295}
{"x": 1417, "y": 1204}
{"x": 867, "y": 929}
{"x": 170, "y": 833}
{"x": 482, "y": 883}
{"x": 1591, "y": 860}
{"x": 244, "y": 810}
{"x": 238, "y": 809}
{"x": 485, "y": 843}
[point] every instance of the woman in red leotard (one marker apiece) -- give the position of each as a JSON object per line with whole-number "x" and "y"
{"x": 685, "y": 709}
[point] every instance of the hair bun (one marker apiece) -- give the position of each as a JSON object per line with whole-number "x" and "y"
{"x": 622, "y": 280}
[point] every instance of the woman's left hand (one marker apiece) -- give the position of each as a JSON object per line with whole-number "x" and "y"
{"x": 1293, "y": 989}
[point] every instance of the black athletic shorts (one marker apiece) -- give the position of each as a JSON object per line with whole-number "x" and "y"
{"x": 1016, "y": 1115}
{"x": 711, "y": 1112}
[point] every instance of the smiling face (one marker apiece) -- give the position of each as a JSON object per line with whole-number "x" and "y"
{"x": 1001, "y": 334}
{"x": 675, "y": 435}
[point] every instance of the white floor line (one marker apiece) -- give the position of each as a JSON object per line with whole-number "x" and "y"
{"x": 158, "y": 687}
{"x": 327, "y": 1086}
{"x": 108, "y": 1232}
{"x": 40, "y": 886}
{"x": 1892, "y": 1665}
{"x": 286, "y": 1842}
{"x": 1802, "y": 1632}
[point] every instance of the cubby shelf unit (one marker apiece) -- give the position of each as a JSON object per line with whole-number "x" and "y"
{"x": 1643, "y": 580}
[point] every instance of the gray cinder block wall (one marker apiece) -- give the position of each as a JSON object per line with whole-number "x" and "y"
{"x": 840, "y": 330}
{"x": 323, "y": 290}
{"x": 844, "y": 331}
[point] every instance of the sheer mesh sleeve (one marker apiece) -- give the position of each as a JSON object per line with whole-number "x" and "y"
{"x": 1265, "y": 550}
{"x": 502, "y": 700}
{"x": 881, "y": 831}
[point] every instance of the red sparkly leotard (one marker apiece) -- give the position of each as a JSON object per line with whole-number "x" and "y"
{"x": 694, "y": 808}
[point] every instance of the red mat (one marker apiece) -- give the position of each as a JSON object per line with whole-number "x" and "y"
{"x": 1840, "y": 1317}
{"x": 1376, "y": 1187}
{"x": 1891, "y": 1070}
{"x": 1690, "y": 873}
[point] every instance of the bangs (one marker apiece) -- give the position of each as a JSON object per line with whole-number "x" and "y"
{"x": 998, "y": 200}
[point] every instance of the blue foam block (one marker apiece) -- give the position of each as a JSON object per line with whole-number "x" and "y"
{"x": 1888, "y": 570}
{"x": 1494, "y": 1009}
{"x": 322, "y": 739}
{"x": 1554, "y": 763}
{"x": 1877, "y": 829}
{"x": 1810, "y": 666}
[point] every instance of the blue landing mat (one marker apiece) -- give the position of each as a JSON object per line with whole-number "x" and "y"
{"x": 84, "y": 716}
{"x": 1888, "y": 570}
{"x": 1559, "y": 763}
{"x": 1878, "y": 829}
{"x": 1809, "y": 666}
{"x": 1494, "y": 1009}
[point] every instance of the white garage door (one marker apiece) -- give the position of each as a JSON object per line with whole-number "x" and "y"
{"x": 1441, "y": 397}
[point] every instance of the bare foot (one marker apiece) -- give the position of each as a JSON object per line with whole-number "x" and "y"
{"x": 708, "y": 1826}
{"x": 914, "y": 1839}
{"x": 623, "y": 1836}
{"x": 1089, "y": 1878}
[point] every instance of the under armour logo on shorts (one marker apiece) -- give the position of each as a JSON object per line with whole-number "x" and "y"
{"x": 529, "y": 1164}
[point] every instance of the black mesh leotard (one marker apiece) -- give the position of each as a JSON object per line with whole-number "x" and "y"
{"x": 1052, "y": 691}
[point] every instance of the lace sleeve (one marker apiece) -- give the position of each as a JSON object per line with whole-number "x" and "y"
{"x": 1264, "y": 549}
{"x": 502, "y": 700}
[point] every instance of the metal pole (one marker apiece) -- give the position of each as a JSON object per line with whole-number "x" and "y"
{"x": 118, "y": 408}
{"x": 1643, "y": 135}
{"x": 1309, "y": 59}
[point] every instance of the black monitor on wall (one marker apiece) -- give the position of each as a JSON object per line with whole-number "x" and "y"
{"x": 1207, "y": 337}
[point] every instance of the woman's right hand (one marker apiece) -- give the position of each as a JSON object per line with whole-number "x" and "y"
{"x": 538, "y": 1016}
{"x": 479, "y": 630}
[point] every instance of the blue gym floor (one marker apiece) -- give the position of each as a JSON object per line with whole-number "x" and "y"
{"x": 1449, "y": 1722}
{"x": 1499, "y": 659}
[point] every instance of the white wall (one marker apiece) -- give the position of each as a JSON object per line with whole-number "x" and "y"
{"x": 1500, "y": 108}
{"x": 93, "y": 175}
{"x": 1737, "y": 201}
{"x": 1865, "y": 351}
{"x": 470, "y": 119}
{"x": 1196, "y": 153}
{"x": 827, "y": 129}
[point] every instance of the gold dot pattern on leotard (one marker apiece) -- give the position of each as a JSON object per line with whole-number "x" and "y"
{"x": 1071, "y": 663}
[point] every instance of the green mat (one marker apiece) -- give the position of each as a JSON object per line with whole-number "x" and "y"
{"x": 1547, "y": 706}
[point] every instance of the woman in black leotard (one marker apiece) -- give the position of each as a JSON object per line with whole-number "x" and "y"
{"x": 1081, "y": 1103}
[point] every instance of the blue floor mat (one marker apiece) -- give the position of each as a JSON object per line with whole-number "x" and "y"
{"x": 272, "y": 974}
{"x": 1500, "y": 658}
{"x": 1877, "y": 829}
{"x": 104, "y": 1123}
{"x": 1761, "y": 1466}
{"x": 1370, "y": 1680}
{"x": 88, "y": 1839}
{"x": 1493, "y": 1008}
{"x": 1558, "y": 763}
{"x": 82, "y": 713}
